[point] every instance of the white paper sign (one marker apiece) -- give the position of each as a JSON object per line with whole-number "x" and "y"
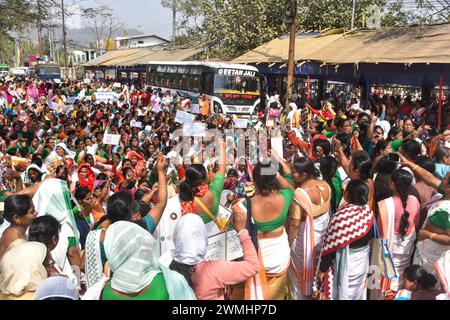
{"x": 184, "y": 117}
{"x": 195, "y": 108}
{"x": 87, "y": 80}
{"x": 71, "y": 100}
{"x": 113, "y": 139}
{"x": 196, "y": 129}
{"x": 222, "y": 245}
{"x": 105, "y": 97}
{"x": 117, "y": 85}
{"x": 277, "y": 145}
{"x": 241, "y": 123}
{"x": 53, "y": 105}
{"x": 135, "y": 124}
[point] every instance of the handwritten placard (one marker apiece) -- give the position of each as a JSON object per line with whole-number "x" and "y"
{"x": 113, "y": 139}
{"x": 195, "y": 108}
{"x": 196, "y": 129}
{"x": 53, "y": 105}
{"x": 222, "y": 245}
{"x": 71, "y": 100}
{"x": 184, "y": 117}
{"x": 241, "y": 123}
{"x": 135, "y": 124}
{"x": 105, "y": 97}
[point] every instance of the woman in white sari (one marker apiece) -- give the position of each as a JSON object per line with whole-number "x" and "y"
{"x": 308, "y": 222}
{"x": 435, "y": 236}
{"x": 60, "y": 153}
{"x": 344, "y": 260}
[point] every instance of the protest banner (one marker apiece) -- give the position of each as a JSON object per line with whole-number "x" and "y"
{"x": 184, "y": 117}
{"x": 111, "y": 139}
{"x": 196, "y": 129}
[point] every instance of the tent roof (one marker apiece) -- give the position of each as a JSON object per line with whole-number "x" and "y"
{"x": 413, "y": 44}
{"x": 138, "y": 56}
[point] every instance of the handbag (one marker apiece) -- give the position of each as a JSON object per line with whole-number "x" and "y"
{"x": 381, "y": 255}
{"x": 274, "y": 112}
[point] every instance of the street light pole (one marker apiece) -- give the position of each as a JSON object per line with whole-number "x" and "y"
{"x": 291, "y": 15}
{"x": 64, "y": 37}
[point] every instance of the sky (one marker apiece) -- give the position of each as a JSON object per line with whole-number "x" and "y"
{"x": 145, "y": 15}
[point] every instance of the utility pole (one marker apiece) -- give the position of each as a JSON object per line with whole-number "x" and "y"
{"x": 64, "y": 37}
{"x": 39, "y": 29}
{"x": 353, "y": 15}
{"x": 291, "y": 15}
{"x": 174, "y": 20}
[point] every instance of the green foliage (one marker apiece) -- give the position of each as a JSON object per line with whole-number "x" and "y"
{"x": 235, "y": 27}
{"x": 15, "y": 16}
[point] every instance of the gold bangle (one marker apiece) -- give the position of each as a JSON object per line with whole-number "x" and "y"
{"x": 415, "y": 167}
{"x": 431, "y": 236}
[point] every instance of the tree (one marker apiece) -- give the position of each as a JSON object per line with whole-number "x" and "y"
{"x": 15, "y": 16}
{"x": 102, "y": 23}
{"x": 190, "y": 12}
{"x": 235, "y": 27}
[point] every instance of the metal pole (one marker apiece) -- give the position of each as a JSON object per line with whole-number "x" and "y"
{"x": 291, "y": 57}
{"x": 64, "y": 38}
{"x": 353, "y": 15}
{"x": 174, "y": 21}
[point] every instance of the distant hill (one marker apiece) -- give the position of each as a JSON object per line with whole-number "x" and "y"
{"x": 82, "y": 38}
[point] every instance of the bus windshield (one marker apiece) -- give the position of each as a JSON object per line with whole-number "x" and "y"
{"x": 49, "y": 71}
{"x": 239, "y": 87}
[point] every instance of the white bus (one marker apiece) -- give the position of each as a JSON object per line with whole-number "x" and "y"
{"x": 231, "y": 88}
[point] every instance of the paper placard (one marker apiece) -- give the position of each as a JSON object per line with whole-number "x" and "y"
{"x": 87, "y": 80}
{"x": 53, "y": 105}
{"x": 241, "y": 123}
{"x": 105, "y": 97}
{"x": 222, "y": 245}
{"x": 117, "y": 85}
{"x": 277, "y": 145}
{"x": 113, "y": 139}
{"x": 184, "y": 117}
{"x": 195, "y": 108}
{"x": 135, "y": 124}
{"x": 196, "y": 129}
{"x": 71, "y": 100}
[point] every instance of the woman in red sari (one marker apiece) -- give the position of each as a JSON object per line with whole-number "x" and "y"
{"x": 137, "y": 161}
{"x": 86, "y": 176}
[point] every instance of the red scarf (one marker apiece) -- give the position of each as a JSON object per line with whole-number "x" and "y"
{"x": 188, "y": 206}
{"x": 89, "y": 182}
{"x": 347, "y": 226}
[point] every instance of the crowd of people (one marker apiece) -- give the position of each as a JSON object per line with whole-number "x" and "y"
{"x": 83, "y": 218}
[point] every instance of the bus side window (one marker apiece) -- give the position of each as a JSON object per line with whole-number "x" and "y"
{"x": 208, "y": 82}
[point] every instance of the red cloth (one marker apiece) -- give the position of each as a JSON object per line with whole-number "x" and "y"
{"x": 89, "y": 182}
{"x": 188, "y": 206}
